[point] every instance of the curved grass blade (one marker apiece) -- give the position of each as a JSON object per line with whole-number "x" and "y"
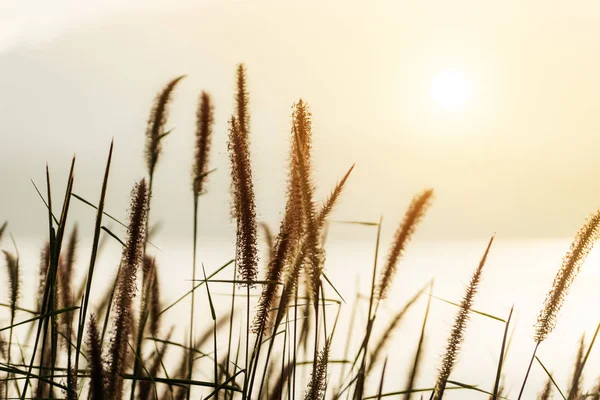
{"x": 363, "y": 223}
{"x": 46, "y": 315}
{"x": 44, "y": 200}
{"x": 483, "y": 314}
{"x": 411, "y": 391}
{"x": 84, "y": 201}
{"x": 195, "y": 287}
{"x": 333, "y": 287}
{"x": 416, "y": 363}
{"x": 470, "y": 387}
{"x": 174, "y": 381}
{"x": 551, "y": 378}
{"x": 90, "y": 275}
{"x": 501, "y": 359}
{"x": 111, "y": 234}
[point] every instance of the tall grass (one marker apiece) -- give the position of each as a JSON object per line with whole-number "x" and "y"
{"x": 283, "y": 342}
{"x": 204, "y": 123}
{"x": 572, "y": 263}
{"x": 125, "y": 291}
{"x": 458, "y": 330}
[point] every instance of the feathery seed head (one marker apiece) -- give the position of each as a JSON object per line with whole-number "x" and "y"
{"x": 299, "y": 178}
{"x": 318, "y": 380}
{"x": 12, "y": 264}
{"x": 312, "y": 255}
{"x": 241, "y": 101}
{"x": 204, "y": 123}
{"x": 97, "y": 382}
{"x": 331, "y": 200}
{"x": 150, "y": 278}
{"x": 244, "y": 206}
{"x": 546, "y": 393}
{"x": 156, "y": 124}
{"x": 3, "y": 347}
{"x": 302, "y": 124}
{"x": 415, "y": 213}
{"x": 42, "y": 273}
{"x": 571, "y": 264}
{"x": 126, "y": 289}
{"x": 279, "y": 259}
{"x": 457, "y": 334}
{"x": 3, "y": 228}
{"x": 136, "y": 230}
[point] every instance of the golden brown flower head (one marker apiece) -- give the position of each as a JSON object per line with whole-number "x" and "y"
{"x": 318, "y": 380}
{"x": 136, "y": 230}
{"x": 244, "y": 206}
{"x": 204, "y": 123}
{"x": 97, "y": 382}
{"x": 156, "y": 124}
{"x": 416, "y": 211}
{"x": 241, "y": 102}
{"x": 12, "y": 264}
{"x": 457, "y": 334}
{"x": 133, "y": 253}
{"x": 572, "y": 262}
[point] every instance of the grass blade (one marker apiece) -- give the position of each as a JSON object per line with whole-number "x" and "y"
{"x": 550, "y": 377}
{"x": 501, "y": 359}
{"x": 90, "y": 275}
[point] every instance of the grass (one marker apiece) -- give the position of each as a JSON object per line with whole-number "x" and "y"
{"x": 287, "y": 324}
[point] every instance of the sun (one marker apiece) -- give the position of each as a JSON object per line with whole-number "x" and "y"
{"x": 450, "y": 89}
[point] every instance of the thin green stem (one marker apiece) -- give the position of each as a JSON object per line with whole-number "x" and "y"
{"x": 191, "y": 332}
{"x": 528, "y": 370}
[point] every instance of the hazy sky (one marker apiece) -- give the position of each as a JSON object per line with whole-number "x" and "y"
{"x": 518, "y": 159}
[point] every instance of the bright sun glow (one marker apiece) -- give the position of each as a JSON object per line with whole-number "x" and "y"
{"x": 450, "y": 89}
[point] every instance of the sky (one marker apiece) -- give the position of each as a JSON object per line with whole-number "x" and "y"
{"x": 518, "y": 158}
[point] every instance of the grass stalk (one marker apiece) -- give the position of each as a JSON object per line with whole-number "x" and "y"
{"x": 501, "y": 358}
{"x": 90, "y": 274}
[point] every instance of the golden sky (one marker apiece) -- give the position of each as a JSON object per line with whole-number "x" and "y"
{"x": 519, "y": 158}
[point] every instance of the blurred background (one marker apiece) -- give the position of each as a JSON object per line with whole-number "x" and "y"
{"x": 517, "y": 157}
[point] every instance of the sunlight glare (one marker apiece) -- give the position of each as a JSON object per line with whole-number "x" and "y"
{"x": 450, "y": 89}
